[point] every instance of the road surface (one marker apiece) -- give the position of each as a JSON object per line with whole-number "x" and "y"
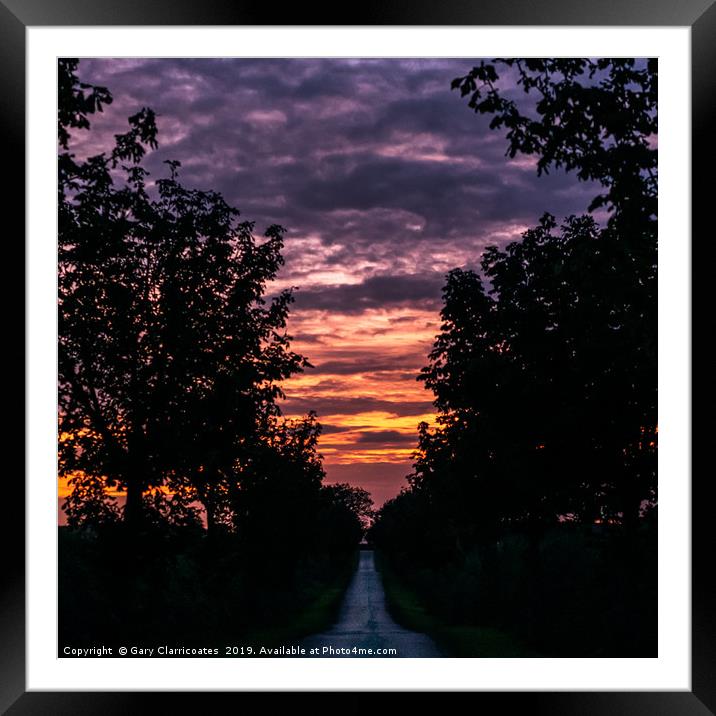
{"x": 364, "y": 623}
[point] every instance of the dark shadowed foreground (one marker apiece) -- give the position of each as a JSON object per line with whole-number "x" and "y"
{"x": 364, "y": 623}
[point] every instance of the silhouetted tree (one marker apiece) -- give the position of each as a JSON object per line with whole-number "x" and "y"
{"x": 550, "y": 376}
{"x": 544, "y": 372}
{"x": 88, "y": 504}
{"x": 276, "y": 487}
{"x": 355, "y": 500}
{"x": 170, "y": 358}
{"x": 595, "y": 117}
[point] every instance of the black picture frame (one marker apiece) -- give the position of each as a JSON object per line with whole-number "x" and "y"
{"x": 699, "y": 15}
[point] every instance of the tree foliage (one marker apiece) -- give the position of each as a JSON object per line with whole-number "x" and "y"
{"x": 544, "y": 371}
{"x": 595, "y": 117}
{"x": 544, "y": 378}
{"x": 171, "y": 358}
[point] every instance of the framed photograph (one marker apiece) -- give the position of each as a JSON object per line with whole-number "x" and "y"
{"x": 359, "y": 355}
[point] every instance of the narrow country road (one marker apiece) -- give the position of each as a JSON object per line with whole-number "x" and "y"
{"x": 364, "y": 622}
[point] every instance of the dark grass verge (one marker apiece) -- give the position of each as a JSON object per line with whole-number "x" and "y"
{"x": 194, "y": 601}
{"x": 406, "y": 607}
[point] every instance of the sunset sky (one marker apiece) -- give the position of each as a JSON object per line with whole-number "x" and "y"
{"x": 384, "y": 180}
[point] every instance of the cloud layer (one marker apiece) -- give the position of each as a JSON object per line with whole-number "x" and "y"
{"x": 385, "y": 181}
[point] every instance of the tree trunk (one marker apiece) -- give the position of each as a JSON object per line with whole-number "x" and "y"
{"x": 134, "y": 507}
{"x": 631, "y": 501}
{"x": 207, "y": 496}
{"x": 210, "y": 522}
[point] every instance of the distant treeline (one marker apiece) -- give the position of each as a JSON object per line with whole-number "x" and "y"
{"x": 532, "y": 504}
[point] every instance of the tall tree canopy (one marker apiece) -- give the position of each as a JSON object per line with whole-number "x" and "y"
{"x": 595, "y": 117}
{"x": 544, "y": 372}
{"x": 170, "y": 356}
